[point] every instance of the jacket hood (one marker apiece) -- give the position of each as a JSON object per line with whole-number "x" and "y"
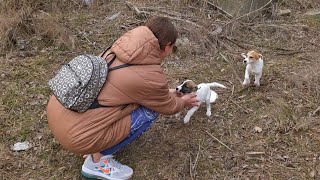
{"x": 138, "y": 46}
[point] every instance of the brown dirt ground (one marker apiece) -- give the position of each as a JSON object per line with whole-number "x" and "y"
{"x": 285, "y": 107}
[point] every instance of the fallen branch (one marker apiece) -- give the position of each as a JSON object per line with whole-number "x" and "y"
{"x": 243, "y": 109}
{"x": 232, "y": 41}
{"x": 255, "y": 153}
{"x": 219, "y": 141}
{"x": 291, "y": 53}
{"x": 139, "y": 13}
{"x": 234, "y": 71}
{"x": 220, "y": 9}
{"x": 197, "y": 157}
{"x": 191, "y": 175}
{"x": 257, "y": 10}
{"x": 245, "y": 88}
{"x": 135, "y": 8}
{"x": 317, "y": 110}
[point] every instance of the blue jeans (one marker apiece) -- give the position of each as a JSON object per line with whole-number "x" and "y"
{"x": 141, "y": 120}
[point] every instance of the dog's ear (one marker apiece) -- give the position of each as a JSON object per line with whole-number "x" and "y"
{"x": 243, "y": 55}
{"x": 192, "y": 86}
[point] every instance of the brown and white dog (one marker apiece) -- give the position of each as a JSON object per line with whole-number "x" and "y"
{"x": 254, "y": 65}
{"x": 203, "y": 92}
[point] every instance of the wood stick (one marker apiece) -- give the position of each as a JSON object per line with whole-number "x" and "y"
{"x": 221, "y": 10}
{"x": 197, "y": 157}
{"x": 219, "y": 141}
{"x": 191, "y": 168}
{"x": 135, "y": 8}
{"x": 139, "y": 13}
{"x": 234, "y": 71}
{"x": 244, "y": 110}
{"x": 314, "y": 112}
{"x": 248, "y": 14}
{"x": 232, "y": 41}
{"x": 255, "y": 153}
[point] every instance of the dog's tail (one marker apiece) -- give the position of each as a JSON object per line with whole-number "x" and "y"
{"x": 215, "y": 84}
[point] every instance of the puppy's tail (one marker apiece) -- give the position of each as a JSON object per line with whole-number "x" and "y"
{"x": 215, "y": 84}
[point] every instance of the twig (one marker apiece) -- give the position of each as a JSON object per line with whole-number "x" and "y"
{"x": 245, "y": 88}
{"x": 191, "y": 168}
{"x": 135, "y": 8}
{"x": 255, "y": 153}
{"x": 232, "y": 92}
{"x": 197, "y": 157}
{"x": 219, "y": 141}
{"x": 83, "y": 34}
{"x": 239, "y": 106}
{"x": 290, "y": 53}
{"x": 139, "y": 12}
{"x": 317, "y": 110}
{"x": 247, "y": 14}
{"x": 280, "y": 25}
{"x": 234, "y": 71}
{"x": 232, "y": 41}
{"x": 221, "y": 10}
{"x": 173, "y": 13}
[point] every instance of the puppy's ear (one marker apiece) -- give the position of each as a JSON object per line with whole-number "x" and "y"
{"x": 192, "y": 86}
{"x": 243, "y": 55}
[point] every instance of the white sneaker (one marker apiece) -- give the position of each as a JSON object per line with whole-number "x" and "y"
{"x": 106, "y": 168}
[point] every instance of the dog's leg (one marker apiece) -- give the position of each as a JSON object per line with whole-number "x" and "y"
{"x": 257, "y": 80}
{"x": 246, "y": 80}
{"x": 208, "y": 104}
{"x": 190, "y": 113}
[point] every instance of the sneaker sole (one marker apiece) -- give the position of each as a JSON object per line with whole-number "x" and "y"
{"x": 87, "y": 173}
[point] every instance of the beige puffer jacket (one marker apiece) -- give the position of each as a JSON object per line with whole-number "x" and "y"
{"x": 142, "y": 84}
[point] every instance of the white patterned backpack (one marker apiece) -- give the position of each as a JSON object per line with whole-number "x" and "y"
{"x": 78, "y": 83}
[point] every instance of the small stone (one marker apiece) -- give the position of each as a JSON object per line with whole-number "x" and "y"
{"x": 257, "y": 129}
{"x": 284, "y": 12}
{"x": 21, "y": 146}
{"x": 312, "y": 173}
{"x": 313, "y": 12}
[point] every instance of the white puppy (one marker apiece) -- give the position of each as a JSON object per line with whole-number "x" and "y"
{"x": 254, "y": 65}
{"x": 203, "y": 92}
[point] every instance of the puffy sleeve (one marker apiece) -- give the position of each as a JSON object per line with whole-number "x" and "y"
{"x": 162, "y": 101}
{"x": 156, "y": 96}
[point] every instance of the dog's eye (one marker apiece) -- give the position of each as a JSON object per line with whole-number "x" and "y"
{"x": 250, "y": 57}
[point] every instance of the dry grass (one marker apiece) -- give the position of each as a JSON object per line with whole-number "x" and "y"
{"x": 26, "y": 24}
{"x": 286, "y": 107}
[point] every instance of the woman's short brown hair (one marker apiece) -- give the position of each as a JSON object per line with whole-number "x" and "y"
{"x": 163, "y": 29}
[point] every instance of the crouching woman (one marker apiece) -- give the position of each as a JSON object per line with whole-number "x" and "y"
{"x": 135, "y": 95}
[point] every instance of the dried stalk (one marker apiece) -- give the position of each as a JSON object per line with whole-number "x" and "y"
{"x": 219, "y": 141}
{"x": 234, "y": 71}
{"x": 247, "y": 14}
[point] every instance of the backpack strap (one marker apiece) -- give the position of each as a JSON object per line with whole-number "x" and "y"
{"x": 95, "y": 103}
{"x": 119, "y": 67}
{"x": 105, "y": 51}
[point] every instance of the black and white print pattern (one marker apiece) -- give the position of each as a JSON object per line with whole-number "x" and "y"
{"x": 78, "y": 83}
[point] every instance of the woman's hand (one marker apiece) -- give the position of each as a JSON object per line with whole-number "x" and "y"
{"x": 190, "y": 100}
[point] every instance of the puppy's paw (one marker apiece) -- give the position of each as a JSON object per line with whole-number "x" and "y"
{"x": 245, "y": 83}
{"x": 177, "y": 115}
{"x": 186, "y": 120}
{"x": 208, "y": 113}
{"x": 257, "y": 84}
